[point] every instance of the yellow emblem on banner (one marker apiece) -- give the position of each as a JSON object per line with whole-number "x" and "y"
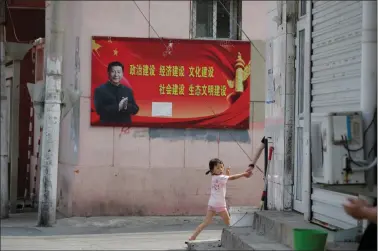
{"x": 242, "y": 72}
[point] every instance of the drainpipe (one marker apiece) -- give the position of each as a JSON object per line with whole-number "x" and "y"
{"x": 52, "y": 112}
{"x": 369, "y": 78}
{"x": 3, "y": 122}
{"x": 307, "y": 171}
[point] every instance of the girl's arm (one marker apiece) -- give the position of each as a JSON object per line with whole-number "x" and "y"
{"x": 238, "y": 176}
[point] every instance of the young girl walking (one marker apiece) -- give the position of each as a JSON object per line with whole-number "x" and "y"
{"x": 217, "y": 201}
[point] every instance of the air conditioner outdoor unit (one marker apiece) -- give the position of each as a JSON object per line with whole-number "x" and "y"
{"x": 337, "y": 151}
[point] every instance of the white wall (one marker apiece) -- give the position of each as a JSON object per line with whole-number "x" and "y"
{"x": 255, "y": 18}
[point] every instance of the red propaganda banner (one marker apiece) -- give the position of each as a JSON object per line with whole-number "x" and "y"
{"x": 162, "y": 83}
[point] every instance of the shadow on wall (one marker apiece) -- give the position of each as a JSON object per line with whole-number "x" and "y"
{"x": 201, "y": 134}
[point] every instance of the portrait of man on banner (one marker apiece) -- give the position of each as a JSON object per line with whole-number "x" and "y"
{"x": 114, "y": 102}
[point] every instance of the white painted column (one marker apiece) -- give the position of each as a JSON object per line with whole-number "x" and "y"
{"x": 52, "y": 113}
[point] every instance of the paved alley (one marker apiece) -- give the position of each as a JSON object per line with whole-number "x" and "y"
{"x": 126, "y": 241}
{"x": 103, "y": 233}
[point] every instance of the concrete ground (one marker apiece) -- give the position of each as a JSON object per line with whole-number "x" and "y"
{"x": 19, "y": 232}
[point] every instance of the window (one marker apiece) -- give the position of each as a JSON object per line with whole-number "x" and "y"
{"x": 216, "y": 19}
{"x": 302, "y": 8}
{"x": 299, "y": 164}
{"x": 300, "y": 69}
{"x": 302, "y": 107}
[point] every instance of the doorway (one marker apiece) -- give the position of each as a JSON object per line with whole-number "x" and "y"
{"x": 302, "y": 108}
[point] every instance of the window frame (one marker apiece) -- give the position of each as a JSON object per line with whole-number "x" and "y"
{"x": 235, "y": 21}
{"x": 302, "y": 5}
{"x": 302, "y": 121}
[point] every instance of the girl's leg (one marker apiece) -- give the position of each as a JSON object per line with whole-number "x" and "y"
{"x": 225, "y": 217}
{"x": 209, "y": 217}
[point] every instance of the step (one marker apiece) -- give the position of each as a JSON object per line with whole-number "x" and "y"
{"x": 246, "y": 238}
{"x": 242, "y": 216}
{"x": 342, "y": 246}
{"x": 204, "y": 245}
{"x": 279, "y": 226}
{"x": 272, "y": 230}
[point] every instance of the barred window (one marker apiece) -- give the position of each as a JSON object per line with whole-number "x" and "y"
{"x": 214, "y": 19}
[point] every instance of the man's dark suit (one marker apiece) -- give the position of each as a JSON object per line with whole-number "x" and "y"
{"x": 106, "y": 100}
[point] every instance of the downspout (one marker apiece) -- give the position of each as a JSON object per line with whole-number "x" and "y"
{"x": 369, "y": 79}
{"x": 266, "y": 152}
{"x": 307, "y": 169}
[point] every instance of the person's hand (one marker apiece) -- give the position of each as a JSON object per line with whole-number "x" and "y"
{"x": 122, "y": 104}
{"x": 250, "y": 167}
{"x": 247, "y": 173}
{"x": 228, "y": 171}
{"x": 355, "y": 208}
{"x": 249, "y": 170}
{"x": 125, "y": 103}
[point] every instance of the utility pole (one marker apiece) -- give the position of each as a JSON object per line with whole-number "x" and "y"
{"x": 52, "y": 112}
{"x": 3, "y": 120}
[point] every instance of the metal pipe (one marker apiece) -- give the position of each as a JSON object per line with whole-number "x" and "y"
{"x": 3, "y": 121}
{"x": 369, "y": 66}
{"x": 367, "y": 168}
{"x": 52, "y": 112}
{"x": 307, "y": 172}
{"x": 25, "y": 8}
{"x": 369, "y": 76}
{"x": 266, "y": 173}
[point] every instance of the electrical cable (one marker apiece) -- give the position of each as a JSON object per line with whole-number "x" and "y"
{"x": 245, "y": 34}
{"x": 346, "y": 144}
{"x": 210, "y": 107}
{"x": 149, "y": 23}
{"x": 161, "y": 39}
{"x": 291, "y": 194}
{"x": 374, "y": 147}
{"x": 258, "y": 51}
{"x": 365, "y": 132}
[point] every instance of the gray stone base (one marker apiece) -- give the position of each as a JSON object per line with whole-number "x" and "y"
{"x": 271, "y": 230}
{"x": 246, "y": 238}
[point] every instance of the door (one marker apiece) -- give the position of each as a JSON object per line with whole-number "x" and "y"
{"x": 302, "y": 109}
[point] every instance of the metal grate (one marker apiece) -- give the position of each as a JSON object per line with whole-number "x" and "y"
{"x": 216, "y": 19}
